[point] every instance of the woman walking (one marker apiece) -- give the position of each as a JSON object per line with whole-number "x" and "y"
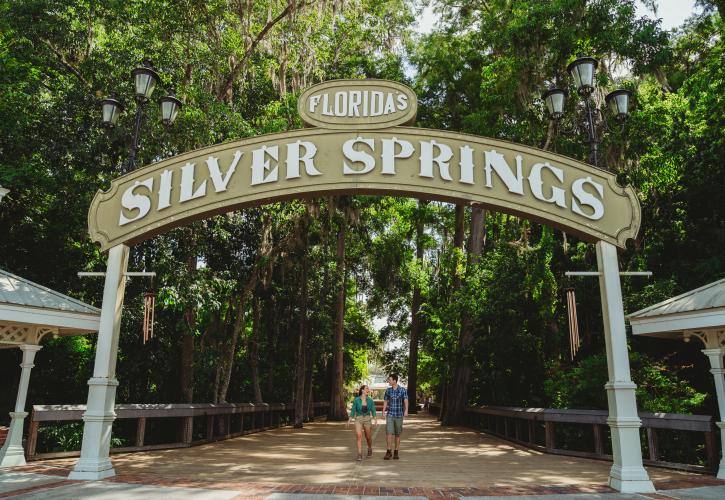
{"x": 363, "y": 412}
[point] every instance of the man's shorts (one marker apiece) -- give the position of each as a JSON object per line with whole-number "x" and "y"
{"x": 363, "y": 422}
{"x": 394, "y": 425}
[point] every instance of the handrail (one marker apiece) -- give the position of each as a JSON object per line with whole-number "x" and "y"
{"x": 44, "y": 413}
{"x": 675, "y": 421}
{"x": 258, "y": 417}
{"x": 507, "y": 422}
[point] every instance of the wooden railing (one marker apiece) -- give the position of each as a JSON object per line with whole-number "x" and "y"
{"x": 537, "y": 428}
{"x": 221, "y": 421}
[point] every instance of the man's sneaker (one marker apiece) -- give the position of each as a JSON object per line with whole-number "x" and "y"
{"x": 388, "y": 455}
{"x": 396, "y": 457}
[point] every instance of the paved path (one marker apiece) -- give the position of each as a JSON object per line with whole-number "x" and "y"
{"x": 436, "y": 462}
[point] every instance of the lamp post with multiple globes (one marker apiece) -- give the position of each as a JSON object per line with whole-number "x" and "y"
{"x": 590, "y": 119}
{"x": 145, "y": 81}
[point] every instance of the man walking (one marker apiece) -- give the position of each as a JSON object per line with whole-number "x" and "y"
{"x": 395, "y": 407}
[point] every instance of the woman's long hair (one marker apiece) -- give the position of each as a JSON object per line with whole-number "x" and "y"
{"x": 362, "y": 388}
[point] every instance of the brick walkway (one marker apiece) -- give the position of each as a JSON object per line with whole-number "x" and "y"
{"x": 436, "y": 462}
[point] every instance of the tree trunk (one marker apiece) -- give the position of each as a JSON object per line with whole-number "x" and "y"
{"x": 309, "y": 371}
{"x": 215, "y": 386}
{"x": 186, "y": 377}
{"x": 232, "y": 349}
{"x": 413, "y": 352}
{"x": 254, "y": 348}
{"x": 458, "y": 391}
{"x": 458, "y": 236}
{"x": 338, "y": 411}
{"x": 415, "y": 317}
{"x": 458, "y": 240}
{"x": 300, "y": 374}
{"x": 187, "y": 362}
{"x": 443, "y": 390}
{"x": 272, "y": 340}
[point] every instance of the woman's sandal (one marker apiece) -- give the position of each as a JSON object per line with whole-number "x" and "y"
{"x": 370, "y": 452}
{"x": 359, "y": 457}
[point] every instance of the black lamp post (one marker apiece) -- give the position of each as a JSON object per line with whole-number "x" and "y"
{"x": 145, "y": 80}
{"x": 583, "y": 71}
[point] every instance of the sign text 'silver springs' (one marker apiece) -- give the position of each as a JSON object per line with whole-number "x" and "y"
{"x": 356, "y": 144}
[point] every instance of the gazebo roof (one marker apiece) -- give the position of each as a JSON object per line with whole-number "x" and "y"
{"x": 699, "y": 309}
{"x": 28, "y": 311}
{"x": 17, "y": 290}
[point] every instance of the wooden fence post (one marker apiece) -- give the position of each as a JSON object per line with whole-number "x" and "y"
{"x": 711, "y": 450}
{"x": 187, "y": 430}
{"x": 550, "y": 436}
{"x": 598, "y": 441}
{"x": 532, "y": 432}
{"x": 209, "y": 427}
{"x": 140, "y": 431}
{"x": 652, "y": 443}
{"x": 32, "y": 437}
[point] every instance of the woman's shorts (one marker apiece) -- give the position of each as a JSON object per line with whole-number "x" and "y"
{"x": 363, "y": 422}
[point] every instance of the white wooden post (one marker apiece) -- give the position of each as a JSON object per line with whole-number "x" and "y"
{"x": 627, "y": 475}
{"x": 12, "y": 453}
{"x": 98, "y": 418}
{"x": 718, "y": 373}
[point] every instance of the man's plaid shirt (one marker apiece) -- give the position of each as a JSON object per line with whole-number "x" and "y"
{"x": 395, "y": 398}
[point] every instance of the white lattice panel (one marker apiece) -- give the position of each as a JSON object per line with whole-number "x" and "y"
{"x": 23, "y": 334}
{"x": 16, "y": 334}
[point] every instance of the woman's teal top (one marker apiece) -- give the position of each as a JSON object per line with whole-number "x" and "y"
{"x": 357, "y": 407}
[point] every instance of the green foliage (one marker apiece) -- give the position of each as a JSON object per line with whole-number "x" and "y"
{"x": 57, "y": 437}
{"x": 657, "y": 389}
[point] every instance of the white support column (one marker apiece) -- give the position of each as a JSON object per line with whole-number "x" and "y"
{"x": 718, "y": 372}
{"x": 100, "y": 410}
{"x": 627, "y": 475}
{"x": 12, "y": 453}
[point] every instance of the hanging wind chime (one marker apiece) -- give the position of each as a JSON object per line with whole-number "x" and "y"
{"x": 149, "y": 301}
{"x": 574, "y": 340}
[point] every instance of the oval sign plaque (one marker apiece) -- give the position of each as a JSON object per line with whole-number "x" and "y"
{"x": 354, "y": 104}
